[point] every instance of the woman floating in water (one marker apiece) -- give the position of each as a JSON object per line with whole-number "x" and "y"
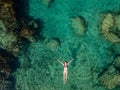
{"x": 65, "y": 72}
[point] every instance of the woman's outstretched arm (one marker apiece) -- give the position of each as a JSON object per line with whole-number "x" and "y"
{"x": 60, "y": 62}
{"x": 70, "y": 61}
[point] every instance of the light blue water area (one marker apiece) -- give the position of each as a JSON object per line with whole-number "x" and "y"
{"x": 89, "y": 51}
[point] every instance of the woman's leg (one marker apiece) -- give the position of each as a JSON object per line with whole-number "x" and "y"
{"x": 66, "y": 76}
{"x": 63, "y": 76}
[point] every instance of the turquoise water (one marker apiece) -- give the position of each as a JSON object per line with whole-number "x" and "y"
{"x": 39, "y": 69}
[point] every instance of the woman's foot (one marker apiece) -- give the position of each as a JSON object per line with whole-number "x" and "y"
{"x": 65, "y": 81}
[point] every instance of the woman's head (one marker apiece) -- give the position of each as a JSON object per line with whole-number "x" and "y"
{"x": 65, "y": 62}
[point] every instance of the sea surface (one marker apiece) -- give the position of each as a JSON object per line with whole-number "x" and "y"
{"x": 39, "y": 69}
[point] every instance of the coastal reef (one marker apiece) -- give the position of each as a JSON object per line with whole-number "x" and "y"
{"x": 7, "y": 39}
{"x": 110, "y": 27}
{"x": 7, "y": 66}
{"x": 15, "y": 36}
{"x": 8, "y": 62}
{"x": 7, "y": 15}
{"x": 8, "y": 24}
{"x": 13, "y": 31}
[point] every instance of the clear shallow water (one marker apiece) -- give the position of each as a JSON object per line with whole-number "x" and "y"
{"x": 39, "y": 69}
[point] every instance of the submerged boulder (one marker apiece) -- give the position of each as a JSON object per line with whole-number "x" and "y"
{"x": 26, "y": 33}
{"x": 29, "y": 29}
{"x": 117, "y": 21}
{"x": 108, "y": 22}
{"x": 46, "y": 3}
{"x": 117, "y": 25}
{"x": 110, "y": 77}
{"x": 110, "y": 27}
{"x": 78, "y": 25}
{"x": 52, "y": 44}
{"x": 117, "y": 62}
{"x": 111, "y": 37}
{"x": 110, "y": 81}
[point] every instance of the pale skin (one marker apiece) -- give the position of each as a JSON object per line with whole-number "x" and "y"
{"x": 65, "y": 71}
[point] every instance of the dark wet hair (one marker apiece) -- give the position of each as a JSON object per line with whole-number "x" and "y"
{"x": 66, "y": 62}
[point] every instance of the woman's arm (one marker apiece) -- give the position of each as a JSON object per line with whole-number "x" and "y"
{"x": 70, "y": 61}
{"x": 60, "y": 62}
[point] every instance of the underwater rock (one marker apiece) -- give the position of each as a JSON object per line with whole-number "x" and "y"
{"x": 111, "y": 37}
{"x": 28, "y": 29}
{"x": 110, "y": 77}
{"x": 117, "y": 25}
{"x": 46, "y": 3}
{"x": 6, "y": 85}
{"x": 6, "y": 39}
{"x": 110, "y": 27}
{"x": 8, "y": 25}
{"x": 117, "y": 62}
{"x": 78, "y": 25}
{"x": 117, "y": 21}
{"x": 25, "y": 62}
{"x": 110, "y": 81}
{"x": 108, "y": 22}
{"x": 52, "y": 44}
{"x": 7, "y": 66}
{"x": 7, "y": 14}
{"x": 6, "y": 62}
{"x": 26, "y": 33}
